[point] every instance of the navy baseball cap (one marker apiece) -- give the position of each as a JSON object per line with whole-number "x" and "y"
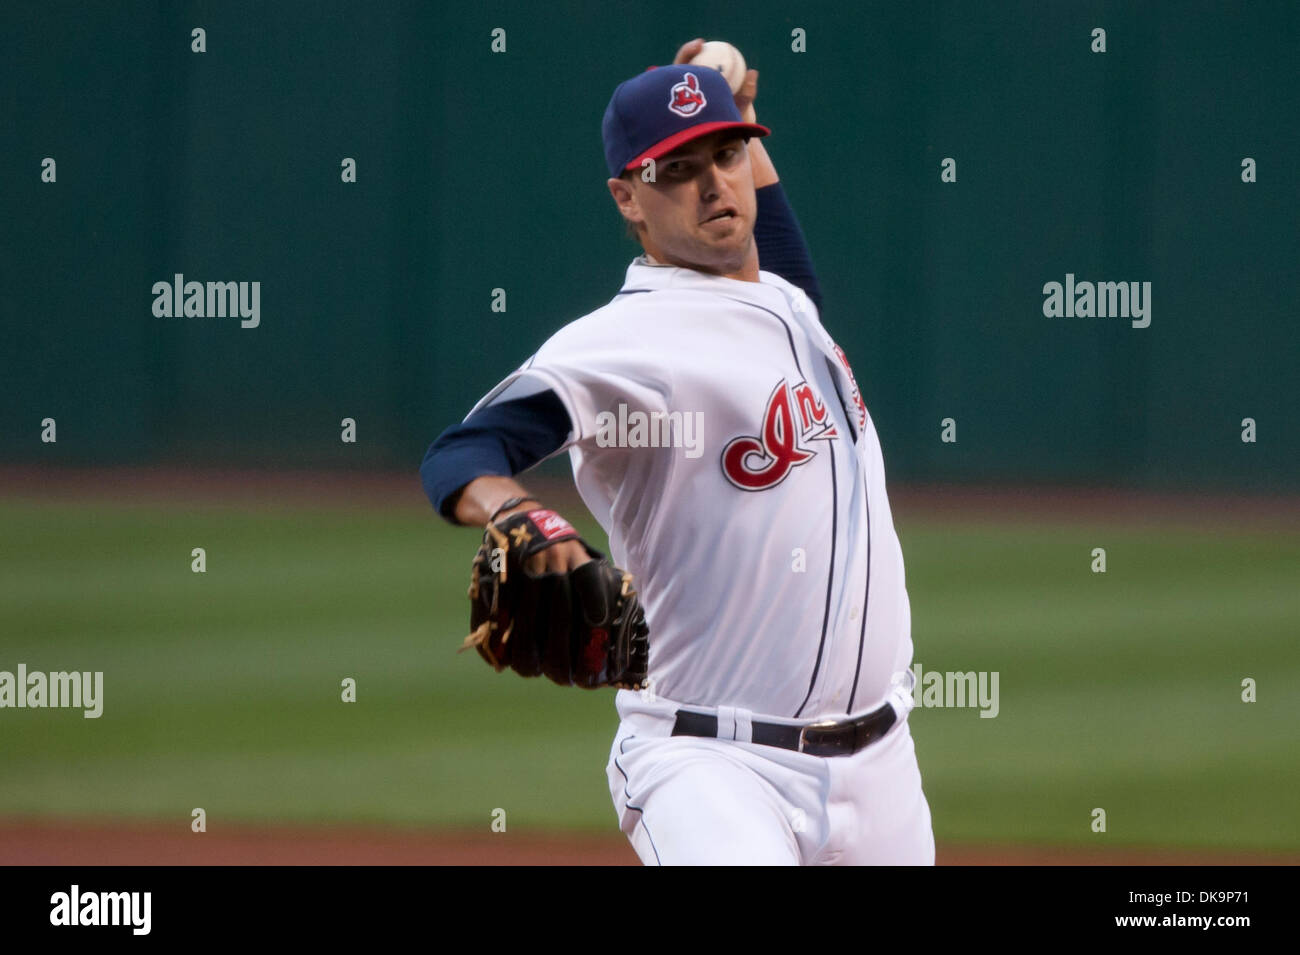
{"x": 655, "y": 112}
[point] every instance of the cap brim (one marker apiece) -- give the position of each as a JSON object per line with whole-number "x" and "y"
{"x": 665, "y": 146}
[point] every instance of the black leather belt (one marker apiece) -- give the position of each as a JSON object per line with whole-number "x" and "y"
{"x": 824, "y": 738}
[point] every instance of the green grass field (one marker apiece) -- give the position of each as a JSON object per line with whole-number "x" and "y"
{"x": 222, "y": 690}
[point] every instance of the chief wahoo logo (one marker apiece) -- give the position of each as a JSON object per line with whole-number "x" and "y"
{"x": 687, "y": 97}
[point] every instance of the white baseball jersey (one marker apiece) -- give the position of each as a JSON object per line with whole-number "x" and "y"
{"x": 720, "y": 439}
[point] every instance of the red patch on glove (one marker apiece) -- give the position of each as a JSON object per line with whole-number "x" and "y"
{"x": 596, "y": 651}
{"x": 551, "y": 525}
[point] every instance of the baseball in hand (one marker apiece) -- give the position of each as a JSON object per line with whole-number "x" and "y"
{"x": 724, "y": 58}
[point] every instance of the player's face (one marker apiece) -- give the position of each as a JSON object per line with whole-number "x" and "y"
{"x": 700, "y": 210}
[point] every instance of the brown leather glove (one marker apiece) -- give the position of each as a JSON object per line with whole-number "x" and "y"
{"x": 582, "y": 628}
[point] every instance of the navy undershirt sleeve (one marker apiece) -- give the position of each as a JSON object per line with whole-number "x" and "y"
{"x": 781, "y": 245}
{"x": 511, "y": 436}
{"x": 504, "y": 438}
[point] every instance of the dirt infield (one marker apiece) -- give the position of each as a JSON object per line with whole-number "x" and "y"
{"x": 385, "y": 489}
{"x": 97, "y": 843}
{"x": 101, "y": 843}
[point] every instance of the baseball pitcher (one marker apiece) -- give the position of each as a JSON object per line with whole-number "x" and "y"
{"x": 752, "y": 610}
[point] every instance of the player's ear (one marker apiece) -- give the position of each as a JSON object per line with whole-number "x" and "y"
{"x": 625, "y": 198}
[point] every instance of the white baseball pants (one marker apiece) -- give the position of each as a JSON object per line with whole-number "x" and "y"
{"x": 685, "y": 800}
